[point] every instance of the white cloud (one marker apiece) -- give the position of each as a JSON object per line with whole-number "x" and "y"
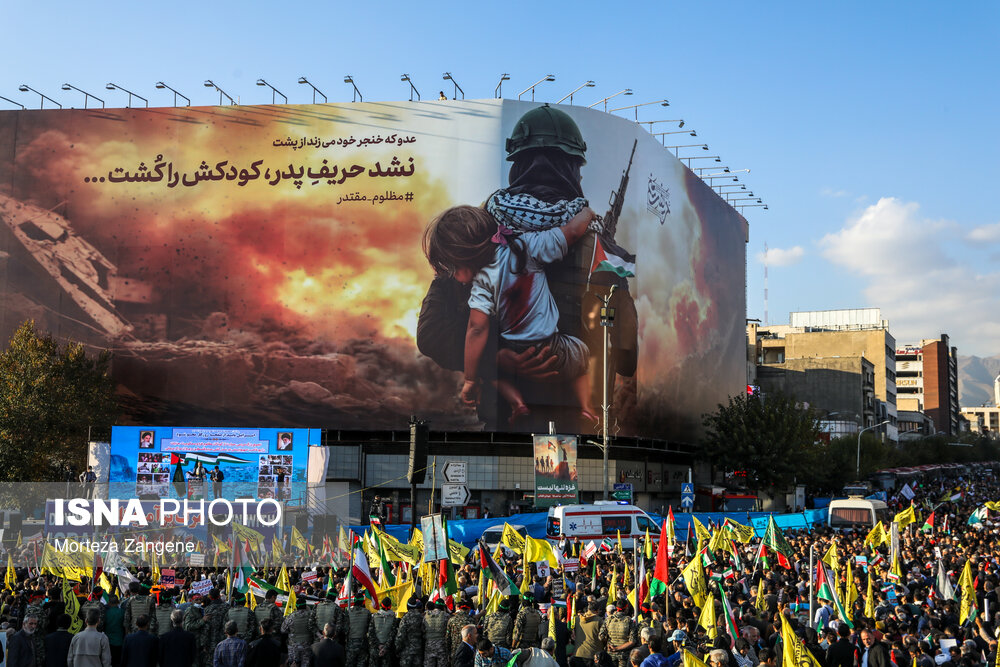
{"x": 830, "y": 192}
{"x": 781, "y": 256}
{"x": 985, "y": 233}
{"x": 921, "y": 288}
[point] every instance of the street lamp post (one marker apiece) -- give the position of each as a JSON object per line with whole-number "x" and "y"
{"x": 161, "y": 85}
{"x": 24, "y": 88}
{"x": 626, "y": 91}
{"x": 306, "y": 81}
{"x": 274, "y": 91}
{"x": 458, "y": 89}
{"x": 86, "y": 95}
{"x": 357, "y": 93}
{"x": 587, "y": 84}
{"x": 607, "y": 321}
{"x": 115, "y": 86}
{"x": 858, "y": 470}
{"x": 548, "y": 77}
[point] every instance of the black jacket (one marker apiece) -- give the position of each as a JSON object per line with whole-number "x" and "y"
{"x": 20, "y": 652}
{"x": 328, "y": 653}
{"x": 178, "y": 648}
{"x": 841, "y": 654}
{"x": 464, "y": 656}
{"x": 878, "y": 655}
{"x": 57, "y": 648}
{"x": 140, "y": 649}
{"x": 264, "y": 652}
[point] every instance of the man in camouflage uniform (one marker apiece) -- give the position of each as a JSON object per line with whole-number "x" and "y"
{"x": 194, "y": 622}
{"x": 139, "y": 604}
{"x": 499, "y": 626}
{"x": 357, "y": 638}
{"x": 213, "y": 628}
{"x": 300, "y": 626}
{"x": 435, "y": 626}
{"x": 410, "y": 635}
{"x": 94, "y": 603}
{"x": 268, "y": 609}
{"x": 163, "y": 611}
{"x": 528, "y": 624}
{"x": 461, "y": 618}
{"x": 247, "y": 626}
{"x": 620, "y": 633}
{"x": 34, "y": 608}
{"x": 382, "y": 636}
{"x": 328, "y": 611}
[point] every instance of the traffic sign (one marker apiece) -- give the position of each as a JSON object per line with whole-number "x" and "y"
{"x": 456, "y": 472}
{"x": 455, "y": 495}
{"x": 622, "y": 492}
{"x": 687, "y": 495}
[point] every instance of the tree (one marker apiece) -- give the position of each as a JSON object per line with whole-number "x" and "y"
{"x": 769, "y": 438}
{"x": 49, "y": 396}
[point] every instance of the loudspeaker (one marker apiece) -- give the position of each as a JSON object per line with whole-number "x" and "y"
{"x": 416, "y": 469}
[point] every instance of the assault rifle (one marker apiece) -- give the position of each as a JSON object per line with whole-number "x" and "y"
{"x": 617, "y": 200}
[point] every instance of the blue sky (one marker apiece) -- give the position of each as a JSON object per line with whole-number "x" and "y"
{"x": 870, "y": 128}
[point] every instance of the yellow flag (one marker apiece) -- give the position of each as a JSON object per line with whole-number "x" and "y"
{"x": 613, "y": 588}
{"x": 742, "y": 533}
{"x": 906, "y": 517}
{"x": 700, "y": 532}
{"x": 968, "y": 607}
{"x": 794, "y": 652}
{"x": 72, "y": 607}
{"x": 876, "y": 536}
{"x": 850, "y": 593}
{"x": 527, "y": 573}
{"x": 830, "y": 558}
{"x": 299, "y": 541}
{"x": 649, "y": 546}
{"x": 536, "y": 550}
{"x": 220, "y": 546}
{"x": 512, "y": 539}
{"x": 552, "y": 622}
{"x": 760, "y": 603}
{"x": 869, "y": 599}
{"x": 694, "y": 579}
{"x": 229, "y": 581}
{"x": 707, "y": 617}
{"x": 276, "y": 549}
{"x": 399, "y": 595}
{"x": 691, "y": 660}
{"x": 457, "y": 552}
{"x": 243, "y": 533}
{"x": 19, "y": 543}
{"x": 283, "y": 583}
{"x": 290, "y": 605}
{"x": 620, "y": 550}
{"x": 105, "y": 583}
{"x": 10, "y": 579}
{"x": 251, "y": 601}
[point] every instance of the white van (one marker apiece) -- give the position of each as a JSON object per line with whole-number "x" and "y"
{"x": 856, "y": 513}
{"x": 598, "y": 521}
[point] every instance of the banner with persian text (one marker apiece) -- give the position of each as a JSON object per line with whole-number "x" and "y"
{"x": 555, "y": 470}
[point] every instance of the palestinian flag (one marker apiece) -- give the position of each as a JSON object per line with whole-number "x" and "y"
{"x": 661, "y": 571}
{"x": 776, "y": 542}
{"x": 826, "y": 590}
{"x": 243, "y": 568}
{"x": 727, "y": 610}
{"x": 492, "y": 570}
{"x": 606, "y": 260}
{"x": 928, "y": 526}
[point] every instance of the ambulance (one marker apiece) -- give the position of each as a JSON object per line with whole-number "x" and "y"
{"x": 603, "y": 519}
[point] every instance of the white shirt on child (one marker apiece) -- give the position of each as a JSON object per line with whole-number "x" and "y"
{"x": 526, "y": 311}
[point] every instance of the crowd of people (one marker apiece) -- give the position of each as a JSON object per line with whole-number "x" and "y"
{"x": 925, "y": 599}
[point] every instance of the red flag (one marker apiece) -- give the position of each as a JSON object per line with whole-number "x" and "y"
{"x": 661, "y": 572}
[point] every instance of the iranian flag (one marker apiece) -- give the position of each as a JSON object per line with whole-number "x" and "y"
{"x": 727, "y": 610}
{"x": 605, "y": 261}
{"x": 826, "y": 590}
{"x": 661, "y": 571}
{"x": 928, "y": 526}
{"x": 361, "y": 573}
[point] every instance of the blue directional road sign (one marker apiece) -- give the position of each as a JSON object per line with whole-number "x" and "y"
{"x": 687, "y": 495}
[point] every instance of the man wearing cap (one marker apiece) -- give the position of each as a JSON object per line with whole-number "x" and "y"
{"x": 300, "y": 626}
{"x": 435, "y": 626}
{"x": 461, "y": 618}
{"x": 382, "y": 636}
{"x": 239, "y": 613}
{"x": 328, "y": 611}
{"x": 499, "y": 626}
{"x": 357, "y": 638}
{"x": 678, "y": 639}
{"x": 528, "y": 624}
{"x": 620, "y": 633}
{"x": 410, "y": 635}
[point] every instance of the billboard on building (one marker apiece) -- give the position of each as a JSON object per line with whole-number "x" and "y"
{"x": 265, "y": 264}
{"x": 555, "y": 470}
{"x": 166, "y": 462}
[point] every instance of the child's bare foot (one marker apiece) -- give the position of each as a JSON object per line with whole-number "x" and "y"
{"x": 518, "y": 412}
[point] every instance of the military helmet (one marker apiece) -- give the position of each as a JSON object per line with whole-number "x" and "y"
{"x": 545, "y": 127}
